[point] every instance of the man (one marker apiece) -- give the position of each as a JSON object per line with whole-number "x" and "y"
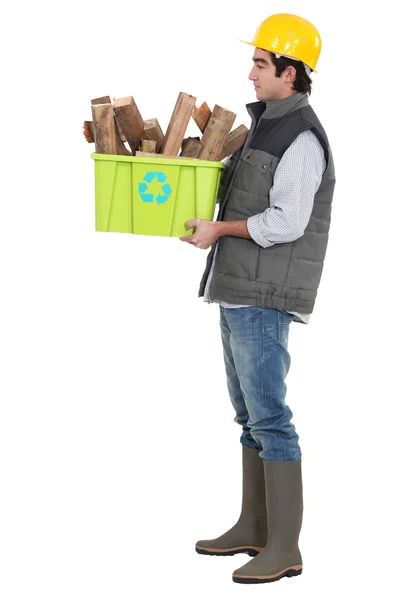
{"x": 268, "y": 247}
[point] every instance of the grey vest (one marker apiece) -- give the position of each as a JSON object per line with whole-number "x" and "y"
{"x": 283, "y": 276}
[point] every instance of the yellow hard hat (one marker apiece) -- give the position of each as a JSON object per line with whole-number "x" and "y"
{"x": 291, "y": 36}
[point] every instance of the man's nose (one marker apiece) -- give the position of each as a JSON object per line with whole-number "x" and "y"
{"x": 252, "y": 75}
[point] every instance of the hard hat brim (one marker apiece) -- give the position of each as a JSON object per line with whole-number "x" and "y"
{"x": 255, "y": 45}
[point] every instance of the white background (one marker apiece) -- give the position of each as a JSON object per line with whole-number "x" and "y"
{"x": 117, "y": 443}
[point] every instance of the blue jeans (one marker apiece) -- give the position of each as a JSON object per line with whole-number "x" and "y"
{"x": 257, "y": 360}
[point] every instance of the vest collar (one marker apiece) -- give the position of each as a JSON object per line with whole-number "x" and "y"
{"x": 277, "y": 108}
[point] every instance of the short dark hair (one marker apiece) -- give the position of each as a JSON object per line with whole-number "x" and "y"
{"x": 303, "y": 82}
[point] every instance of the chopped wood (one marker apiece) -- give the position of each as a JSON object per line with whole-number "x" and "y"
{"x": 121, "y": 133}
{"x": 119, "y": 120}
{"x": 234, "y": 140}
{"x": 178, "y": 123}
{"x": 102, "y": 100}
{"x": 185, "y": 140}
{"x": 191, "y": 148}
{"x": 153, "y": 131}
{"x": 107, "y": 138}
{"x": 216, "y": 132}
{"x": 88, "y": 131}
{"x": 130, "y": 120}
{"x": 107, "y": 100}
{"x": 153, "y": 155}
{"x": 148, "y": 146}
{"x": 201, "y": 116}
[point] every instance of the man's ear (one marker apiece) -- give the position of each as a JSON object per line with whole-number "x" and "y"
{"x": 290, "y": 73}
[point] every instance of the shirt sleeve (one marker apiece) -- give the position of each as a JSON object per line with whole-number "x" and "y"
{"x": 296, "y": 181}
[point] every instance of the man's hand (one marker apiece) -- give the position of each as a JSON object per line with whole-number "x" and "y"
{"x": 206, "y": 233}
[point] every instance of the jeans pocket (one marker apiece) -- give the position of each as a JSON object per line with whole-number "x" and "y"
{"x": 284, "y": 320}
{"x": 289, "y": 316}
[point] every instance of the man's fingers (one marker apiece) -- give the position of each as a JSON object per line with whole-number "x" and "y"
{"x": 192, "y": 223}
{"x": 189, "y": 239}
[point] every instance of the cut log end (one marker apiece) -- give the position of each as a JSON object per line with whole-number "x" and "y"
{"x": 216, "y": 132}
{"x": 178, "y": 124}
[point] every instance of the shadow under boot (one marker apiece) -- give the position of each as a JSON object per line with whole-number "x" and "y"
{"x": 281, "y": 556}
{"x": 250, "y": 532}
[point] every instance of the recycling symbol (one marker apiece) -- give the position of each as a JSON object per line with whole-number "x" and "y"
{"x": 150, "y": 188}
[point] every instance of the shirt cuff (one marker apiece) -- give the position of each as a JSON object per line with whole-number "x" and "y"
{"x": 254, "y": 230}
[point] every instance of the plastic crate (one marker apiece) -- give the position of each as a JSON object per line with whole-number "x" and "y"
{"x": 153, "y": 196}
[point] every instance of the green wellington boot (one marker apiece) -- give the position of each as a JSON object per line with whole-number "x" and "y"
{"x": 281, "y": 556}
{"x": 250, "y": 532}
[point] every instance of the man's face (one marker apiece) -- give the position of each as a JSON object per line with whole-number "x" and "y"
{"x": 267, "y": 86}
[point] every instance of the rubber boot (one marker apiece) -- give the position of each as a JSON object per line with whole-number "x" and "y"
{"x": 281, "y": 556}
{"x": 250, "y": 532}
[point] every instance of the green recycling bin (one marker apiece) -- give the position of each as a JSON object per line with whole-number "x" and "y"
{"x": 153, "y": 196}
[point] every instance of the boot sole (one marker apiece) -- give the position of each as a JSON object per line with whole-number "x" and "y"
{"x": 250, "y": 550}
{"x": 291, "y": 572}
